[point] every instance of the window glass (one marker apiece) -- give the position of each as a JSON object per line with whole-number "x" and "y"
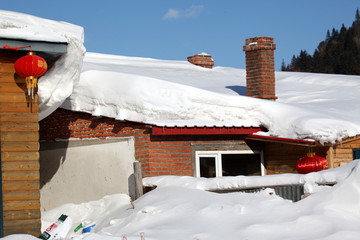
{"x": 241, "y": 164}
{"x": 207, "y": 167}
{"x": 356, "y": 154}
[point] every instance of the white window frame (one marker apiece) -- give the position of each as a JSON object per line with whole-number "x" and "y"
{"x": 218, "y": 159}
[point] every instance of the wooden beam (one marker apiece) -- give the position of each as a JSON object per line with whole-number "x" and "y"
{"x": 19, "y": 127}
{"x": 20, "y": 146}
{"x": 18, "y": 97}
{"x": 19, "y": 156}
{"x": 20, "y": 185}
{"x": 22, "y": 214}
{"x": 20, "y": 166}
{"x": 19, "y": 117}
{"x": 19, "y": 137}
{"x": 20, "y": 224}
{"x": 27, "y": 107}
{"x": 21, "y": 176}
{"x": 13, "y": 87}
{"x": 7, "y": 67}
{"x": 21, "y": 205}
{"x": 10, "y": 77}
{"x": 21, "y": 195}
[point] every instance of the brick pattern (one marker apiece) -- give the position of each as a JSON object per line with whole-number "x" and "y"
{"x": 201, "y": 60}
{"x": 260, "y": 68}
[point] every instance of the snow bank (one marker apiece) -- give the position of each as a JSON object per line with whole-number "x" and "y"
{"x": 57, "y": 83}
{"x": 181, "y": 209}
{"x": 310, "y": 180}
{"x": 169, "y": 93}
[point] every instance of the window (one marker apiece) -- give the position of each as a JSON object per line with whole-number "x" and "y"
{"x": 356, "y": 154}
{"x": 229, "y": 163}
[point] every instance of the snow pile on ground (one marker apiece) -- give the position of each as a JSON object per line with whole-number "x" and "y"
{"x": 311, "y": 181}
{"x": 175, "y": 210}
{"x": 57, "y": 84}
{"x": 168, "y": 93}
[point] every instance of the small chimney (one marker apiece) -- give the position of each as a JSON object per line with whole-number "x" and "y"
{"x": 202, "y": 60}
{"x": 260, "y": 67}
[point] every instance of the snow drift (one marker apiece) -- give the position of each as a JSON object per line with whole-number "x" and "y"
{"x": 181, "y": 209}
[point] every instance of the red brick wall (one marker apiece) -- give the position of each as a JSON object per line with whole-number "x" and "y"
{"x": 260, "y": 68}
{"x": 201, "y": 60}
{"x": 158, "y": 157}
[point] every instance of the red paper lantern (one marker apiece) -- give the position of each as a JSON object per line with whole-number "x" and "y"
{"x": 311, "y": 163}
{"x": 30, "y": 67}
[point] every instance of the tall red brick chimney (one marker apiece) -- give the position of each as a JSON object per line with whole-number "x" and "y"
{"x": 202, "y": 60}
{"x": 260, "y": 67}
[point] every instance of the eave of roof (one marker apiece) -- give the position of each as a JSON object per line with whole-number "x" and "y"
{"x": 42, "y": 48}
{"x": 203, "y": 130}
{"x": 281, "y": 140}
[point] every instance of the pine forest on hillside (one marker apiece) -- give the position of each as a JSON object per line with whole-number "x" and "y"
{"x": 338, "y": 54}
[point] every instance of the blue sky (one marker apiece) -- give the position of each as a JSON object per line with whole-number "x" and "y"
{"x": 167, "y": 29}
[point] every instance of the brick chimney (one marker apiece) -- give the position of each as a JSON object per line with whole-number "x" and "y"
{"x": 202, "y": 60}
{"x": 260, "y": 67}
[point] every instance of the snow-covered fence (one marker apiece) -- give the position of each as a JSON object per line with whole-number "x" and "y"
{"x": 292, "y": 192}
{"x": 287, "y": 186}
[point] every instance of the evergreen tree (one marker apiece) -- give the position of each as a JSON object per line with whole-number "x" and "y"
{"x": 339, "y": 53}
{"x": 357, "y": 18}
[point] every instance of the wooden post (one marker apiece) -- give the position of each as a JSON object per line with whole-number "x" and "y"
{"x": 138, "y": 180}
{"x": 330, "y": 157}
{"x": 1, "y": 206}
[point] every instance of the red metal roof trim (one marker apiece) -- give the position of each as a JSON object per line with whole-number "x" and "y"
{"x": 281, "y": 139}
{"x": 156, "y": 130}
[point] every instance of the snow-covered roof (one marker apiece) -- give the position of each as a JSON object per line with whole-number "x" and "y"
{"x": 176, "y": 93}
{"x": 22, "y": 26}
{"x": 57, "y": 84}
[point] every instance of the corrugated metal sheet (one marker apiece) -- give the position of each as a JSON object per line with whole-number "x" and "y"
{"x": 290, "y": 192}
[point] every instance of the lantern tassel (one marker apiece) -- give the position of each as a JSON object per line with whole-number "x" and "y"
{"x": 28, "y": 84}
{"x": 31, "y": 85}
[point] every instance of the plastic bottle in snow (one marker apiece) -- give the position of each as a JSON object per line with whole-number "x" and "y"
{"x": 59, "y": 229}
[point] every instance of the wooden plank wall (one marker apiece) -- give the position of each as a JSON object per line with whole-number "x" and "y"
{"x": 343, "y": 152}
{"x": 19, "y": 151}
{"x": 282, "y": 158}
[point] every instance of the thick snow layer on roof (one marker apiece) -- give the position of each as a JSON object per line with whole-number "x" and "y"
{"x": 176, "y": 93}
{"x": 14, "y": 25}
{"x": 57, "y": 83}
{"x": 168, "y": 93}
